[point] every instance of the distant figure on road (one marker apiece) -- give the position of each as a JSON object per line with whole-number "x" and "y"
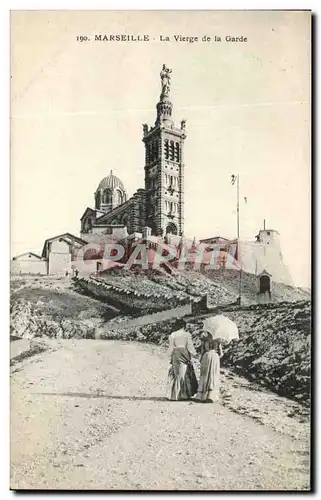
{"x": 211, "y": 352}
{"x": 182, "y": 378}
{"x": 76, "y": 273}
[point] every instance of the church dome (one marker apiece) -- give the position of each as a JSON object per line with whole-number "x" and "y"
{"x": 110, "y": 193}
{"x": 111, "y": 182}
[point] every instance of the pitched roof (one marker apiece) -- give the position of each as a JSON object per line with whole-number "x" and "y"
{"x": 26, "y": 253}
{"x": 214, "y": 238}
{"x": 88, "y": 210}
{"x": 60, "y": 237}
{"x": 264, "y": 273}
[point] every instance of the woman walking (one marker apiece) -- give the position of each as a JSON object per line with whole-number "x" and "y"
{"x": 182, "y": 378}
{"x": 211, "y": 352}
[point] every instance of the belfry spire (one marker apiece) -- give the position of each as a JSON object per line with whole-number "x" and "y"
{"x": 164, "y": 167}
{"x": 164, "y": 106}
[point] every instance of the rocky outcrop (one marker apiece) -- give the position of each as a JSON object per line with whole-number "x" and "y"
{"x": 275, "y": 348}
{"x": 29, "y": 321}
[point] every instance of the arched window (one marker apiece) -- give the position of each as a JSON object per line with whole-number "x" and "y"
{"x": 153, "y": 228}
{"x": 166, "y": 147}
{"x": 155, "y": 149}
{"x": 265, "y": 284}
{"x": 150, "y": 149}
{"x": 124, "y": 220}
{"x": 120, "y": 199}
{"x": 171, "y": 228}
{"x": 172, "y": 151}
{"x": 87, "y": 225}
{"x": 107, "y": 196}
{"x": 177, "y": 152}
{"x": 98, "y": 200}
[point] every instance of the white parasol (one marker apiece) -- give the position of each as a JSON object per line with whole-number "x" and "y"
{"x": 221, "y": 328}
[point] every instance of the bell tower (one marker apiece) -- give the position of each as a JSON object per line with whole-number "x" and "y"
{"x": 164, "y": 166}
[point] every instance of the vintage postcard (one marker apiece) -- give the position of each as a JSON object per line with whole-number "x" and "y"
{"x": 160, "y": 333}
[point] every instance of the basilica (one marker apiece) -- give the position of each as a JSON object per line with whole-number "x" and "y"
{"x": 159, "y": 205}
{"x": 154, "y": 214}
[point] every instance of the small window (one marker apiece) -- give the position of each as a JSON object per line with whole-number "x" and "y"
{"x": 107, "y": 196}
{"x": 177, "y": 155}
{"x": 166, "y": 149}
{"x": 172, "y": 151}
{"x": 98, "y": 200}
{"x": 268, "y": 233}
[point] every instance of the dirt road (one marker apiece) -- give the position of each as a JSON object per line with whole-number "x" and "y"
{"x": 92, "y": 415}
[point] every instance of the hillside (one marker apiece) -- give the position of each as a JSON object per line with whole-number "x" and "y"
{"x": 45, "y": 306}
{"x": 274, "y": 346}
{"x": 151, "y": 290}
{"x": 274, "y": 349}
{"x": 230, "y": 280}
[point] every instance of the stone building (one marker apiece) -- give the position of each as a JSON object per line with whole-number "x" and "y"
{"x": 265, "y": 254}
{"x": 28, "y": 263}
{"x": 152, "y": 216}
{"x": 160, "y": 204}
{"x": 59, "y": 252}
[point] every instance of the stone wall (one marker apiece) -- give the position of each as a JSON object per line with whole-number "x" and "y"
{"x": 28, "y": 266}
{"x": 157, "y": 317}
{"x": 129, "y": 300}
{"x": 88, "y": 267}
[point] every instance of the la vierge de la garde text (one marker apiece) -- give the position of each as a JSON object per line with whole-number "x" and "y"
{"x": 160, "y": 38}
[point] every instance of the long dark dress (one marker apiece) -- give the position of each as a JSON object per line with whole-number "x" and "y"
{"x": 181, "y": 375}
{"x": 209, "y": 384}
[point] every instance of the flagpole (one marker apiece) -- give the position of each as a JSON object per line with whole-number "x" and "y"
{"x": 238, "y": 235}
{"x": 238, "y": 205}
{"x": 236, "y": 178}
